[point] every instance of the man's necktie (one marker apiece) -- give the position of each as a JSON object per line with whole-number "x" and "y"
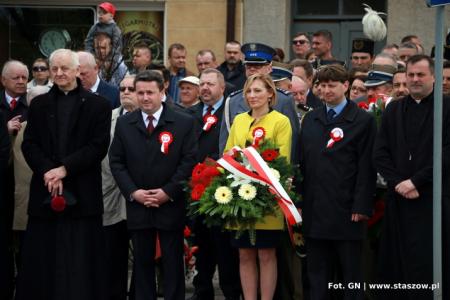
{"x": 330, "y": 114}
{"x": 13, "y": 103}
{"x": 209, "y": 110}
{"x": 150, "y": 126}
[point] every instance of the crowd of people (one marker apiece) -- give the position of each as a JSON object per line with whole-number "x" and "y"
{"x": 95, "y": 156}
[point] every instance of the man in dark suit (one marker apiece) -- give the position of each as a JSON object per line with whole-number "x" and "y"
{"x": 13, "y": 105}
{"x": 5, "y": 231}
{"x": 214, "y": 244}
{"x": 151, "y": 157}
{"x": 338, "y": 184}
{"x": 89, "y": 75}
{"x": 65, "y": 140}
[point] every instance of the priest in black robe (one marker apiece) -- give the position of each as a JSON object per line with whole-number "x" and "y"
{"x": 66, "y": 138}
{"x": 403, "y": 154}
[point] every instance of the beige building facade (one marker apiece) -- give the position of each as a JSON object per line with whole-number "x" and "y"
{"x": 207, "y": 24}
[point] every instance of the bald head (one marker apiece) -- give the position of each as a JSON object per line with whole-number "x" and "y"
{"x": 88, "y": 69}
{"x": 299, "y": 90}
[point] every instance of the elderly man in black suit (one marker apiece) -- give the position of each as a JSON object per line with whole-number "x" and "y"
{"x": 13, "y": 105}
{"x": 214, "y": 244}
{"x": 151, "y": 157}
{"x": 91, "y": 81}
{"x": 65, "y": 140}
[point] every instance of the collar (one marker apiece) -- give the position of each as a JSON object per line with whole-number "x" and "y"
{"x": 164, "y": 98}
{"x": 94, "y": 88}
{"x": 156, "y": 116}
{"x": 215, "y": 106}
{"x": 9, "y": 98}
{"x": 338, "y": 108}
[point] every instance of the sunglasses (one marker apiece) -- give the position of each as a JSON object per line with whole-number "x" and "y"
{"x": 123, "y": 88}
{"x": 40, "y": 69}
{"x": 299, "y": 42}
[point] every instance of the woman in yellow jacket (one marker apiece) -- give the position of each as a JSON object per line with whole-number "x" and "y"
{"x": 260, "y": 95}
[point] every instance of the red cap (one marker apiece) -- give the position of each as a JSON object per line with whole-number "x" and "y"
{"x": 108, "y": 7}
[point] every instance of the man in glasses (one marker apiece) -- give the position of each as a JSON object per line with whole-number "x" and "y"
{"x": 362, "y": 52}
{"x": 40, "y": 73}
{"x": 114, "y": 216}
{"x": 301, "y": 44}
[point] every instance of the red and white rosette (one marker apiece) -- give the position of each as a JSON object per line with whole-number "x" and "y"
{"x": 263, "y": 176}
{"x": 258, "y": 135}
{"x": 336, "y": 135}
{"x": 209, "y": 122}
{"x": 165, "y": 138}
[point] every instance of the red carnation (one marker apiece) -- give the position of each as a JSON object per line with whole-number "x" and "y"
{"x": 269, "y": 154}
{"x": 197, "y": 192}
{"x": 372, "y": 100}
{"x": 363, "y": 105}
{"x": 58, "y": 203}
{"x": 197, "y": 172}
{"x": 186, "y": 232}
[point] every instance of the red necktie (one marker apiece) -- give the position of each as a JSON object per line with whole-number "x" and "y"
{"x": 150, "y": 126}
{"x": 209, "y": 110}
{"x": 13, "y": 103}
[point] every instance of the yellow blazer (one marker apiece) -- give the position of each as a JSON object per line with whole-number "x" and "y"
{"x": 278, "y": 128}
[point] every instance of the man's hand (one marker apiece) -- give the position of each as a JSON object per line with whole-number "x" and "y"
{"x": 159, "y": 196}
{"x": 55, "y": 187}
{"x": 55, "y": 174}
{"x": 359, "y": 217}
{"x": 414, "y": 194}
{"x": 14, "y": 124}
{"x": 405, "y": 187}
{"x": 144, "y": 197}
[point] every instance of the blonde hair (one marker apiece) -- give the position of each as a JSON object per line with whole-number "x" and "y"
{"x": 268, "y": 83}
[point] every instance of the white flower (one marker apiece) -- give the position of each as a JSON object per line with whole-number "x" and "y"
{"x": 247, "y": 192}
{"x": 223, "y": 195}
{"x": 275, "y": 173}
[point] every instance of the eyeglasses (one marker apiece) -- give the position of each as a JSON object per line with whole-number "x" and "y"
{"x": 123, "y": 88}
{"x": 39, "y": 69}
{"x": 299, "y": 42}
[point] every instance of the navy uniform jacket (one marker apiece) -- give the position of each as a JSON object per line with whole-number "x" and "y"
{"x": 340, "y": 180}
{"x": 285, "y": 105}
{"x": 137, "y": 162}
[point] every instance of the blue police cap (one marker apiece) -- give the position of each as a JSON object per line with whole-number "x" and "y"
{"x": 257, "y": 53}
{"x": 280, "y": 73}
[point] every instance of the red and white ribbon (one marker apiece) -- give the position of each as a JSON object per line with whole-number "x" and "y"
{"x": 336, "y": 135}
{"x": 263, "y": 176}
{"x": 210, "y": 121}
{"x": 165, "y": 138}
{"x": 258, "y": 135}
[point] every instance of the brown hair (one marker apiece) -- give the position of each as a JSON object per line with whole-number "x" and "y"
{"x": 268, "y": 83}
{"x": 332, "y": 73}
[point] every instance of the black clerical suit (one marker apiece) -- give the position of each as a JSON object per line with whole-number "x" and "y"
{"x": 404, "y": 150}
{"x": 137, "y": 162}
{"x": 62, "y": 251}
{"x": 338, "y": 181}
{"x": 214, "y": 244}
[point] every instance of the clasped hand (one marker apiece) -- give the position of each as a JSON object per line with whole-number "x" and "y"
{"x": 53, "y": 180}
{"x": 407, "y": 189}
{"x": 150, "y": 198}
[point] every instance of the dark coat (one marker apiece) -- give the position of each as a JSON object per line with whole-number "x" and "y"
{"x": 208, "y": 141}
{"x": 20, "y": 109}
{"x": 109, "y": 92}
{"x": 406, "y": 242}
{"x": 312, "y": 100}
{"x": 5, "y": 144}
{"x": 137, "y": 162}
{"x": 236, "y": 76}
{"x": 89, "y": 128}
{"x": 340, "y": 180}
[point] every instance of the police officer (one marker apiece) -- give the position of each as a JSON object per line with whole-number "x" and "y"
{"x": 258, "y": 60}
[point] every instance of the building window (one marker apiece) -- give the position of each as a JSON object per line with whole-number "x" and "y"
{"x": 30, "y": 32}
{"x": 305, "y": 9}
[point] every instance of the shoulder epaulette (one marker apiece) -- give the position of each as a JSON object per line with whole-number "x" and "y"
{"x": 235, "y": 93}
{"x": 287, "y": 93}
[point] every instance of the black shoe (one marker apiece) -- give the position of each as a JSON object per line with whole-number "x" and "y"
{"x": 199, "y": 297}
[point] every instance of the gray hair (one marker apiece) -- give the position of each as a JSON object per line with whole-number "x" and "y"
{"x": 72, "y": 55}
{"x": 87, "y": 58}
{"x": 13, "y": 63}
